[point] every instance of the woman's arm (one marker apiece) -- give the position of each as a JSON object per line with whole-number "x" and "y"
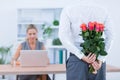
{"x": 17, "y": 54}
{"x": 43, "y": 47}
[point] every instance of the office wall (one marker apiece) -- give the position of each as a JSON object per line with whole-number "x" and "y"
{"x": 8, "y": 21}
{"x": 113, "y": 8}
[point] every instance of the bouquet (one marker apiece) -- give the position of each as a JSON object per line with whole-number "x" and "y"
{"x": 93, "y": 41}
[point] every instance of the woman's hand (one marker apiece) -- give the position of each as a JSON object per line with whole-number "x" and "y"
{"x": 97, "y": 65}
{"x": 12, "y": 61}
{"x": 48, "y": 61}
{"x": 90, "y": 58}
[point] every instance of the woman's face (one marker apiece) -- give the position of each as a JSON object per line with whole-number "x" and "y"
{"x": 32, "y": 35}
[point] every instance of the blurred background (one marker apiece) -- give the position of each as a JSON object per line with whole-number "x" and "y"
{"x": 45, "y": 14}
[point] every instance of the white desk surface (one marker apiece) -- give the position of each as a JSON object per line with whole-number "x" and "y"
{"x": 50, "y": 69}
{"x": 17, "y": 70}
{"x": 111, "y": 68}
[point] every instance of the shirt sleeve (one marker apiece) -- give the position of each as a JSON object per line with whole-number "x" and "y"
{"x": 108, "y": 38}
{"x": 65, "y": 34}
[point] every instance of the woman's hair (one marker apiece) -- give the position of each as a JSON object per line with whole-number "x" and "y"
{"x": 31, "y": 26}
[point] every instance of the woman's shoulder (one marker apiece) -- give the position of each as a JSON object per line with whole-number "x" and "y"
{"x": 40, "y": 45}
{"x": 19, "y": 46}
{"x": 24, "y": 42}
{"x": 39, "y": 42}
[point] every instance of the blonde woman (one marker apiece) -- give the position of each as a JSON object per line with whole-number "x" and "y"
{"x": 31, "y": 43}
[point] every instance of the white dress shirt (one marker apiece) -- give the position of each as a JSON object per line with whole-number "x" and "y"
{"x": 71, "y": 19}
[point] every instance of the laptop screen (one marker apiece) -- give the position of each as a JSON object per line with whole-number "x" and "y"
{"x": 33, "y": 58}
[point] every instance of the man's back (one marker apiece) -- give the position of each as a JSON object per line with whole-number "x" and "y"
{"x": 86, "y": 13}
{"x": 79, "y": 14}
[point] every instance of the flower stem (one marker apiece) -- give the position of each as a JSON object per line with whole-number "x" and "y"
{"x": 92, "y": 70}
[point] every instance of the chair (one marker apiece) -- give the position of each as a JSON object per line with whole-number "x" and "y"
{"x": 40, "y": 77}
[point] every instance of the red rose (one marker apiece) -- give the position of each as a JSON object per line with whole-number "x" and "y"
{"x": 97, "y": 27}
{"x": 83, "y": 27}
{"x": 101, "y": 27}
{"x": 95, "y": 23}
{"x": 91, "y": 26}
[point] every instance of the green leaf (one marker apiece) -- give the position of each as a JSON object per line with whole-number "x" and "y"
{"x": 85, "y": 38}
{"x": 47, "y": 31}
{"x": 86, "y": 34}
{"x": 80, "y": 34}
{"x": 55, "y": 22}
{"x": 92, "y": 49}
{"x": 101, "y": 39}
{"x": 83, "y": 51}
{"x": 98, "y": 48}
{"x": 82, "y": 44}
{"x": 102, "y": 45}
{"x": 86, "y": 44}
{"x": 56, "y": 42}
{"x": 4, "y": 51}
{"x": 103, "y": 53}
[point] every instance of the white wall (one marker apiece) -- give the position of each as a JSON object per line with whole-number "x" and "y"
{"x": 7, "y": 22}
{"x": 113, "y": 8}
{"x": 8, "y": 29}
{"x": 44, "y": 3}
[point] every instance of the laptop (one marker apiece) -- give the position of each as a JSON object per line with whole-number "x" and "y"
{"x": 33, "y": 58}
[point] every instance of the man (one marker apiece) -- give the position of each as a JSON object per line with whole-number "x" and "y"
{"x": 77, "y": 65}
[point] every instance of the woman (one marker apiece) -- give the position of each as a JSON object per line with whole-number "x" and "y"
{"x": 31, "y": 43}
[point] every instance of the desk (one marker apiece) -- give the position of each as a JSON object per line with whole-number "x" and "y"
{"x": 17, "y": 70}
{"x": 50, "y": 69}
{"x": 112, "y": 68}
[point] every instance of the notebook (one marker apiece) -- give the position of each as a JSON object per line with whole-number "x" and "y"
{"x": 33, "y": 58}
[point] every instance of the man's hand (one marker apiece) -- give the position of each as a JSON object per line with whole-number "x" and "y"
{"x": 90, "y": 58}
{"x": 97, "y": 65}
